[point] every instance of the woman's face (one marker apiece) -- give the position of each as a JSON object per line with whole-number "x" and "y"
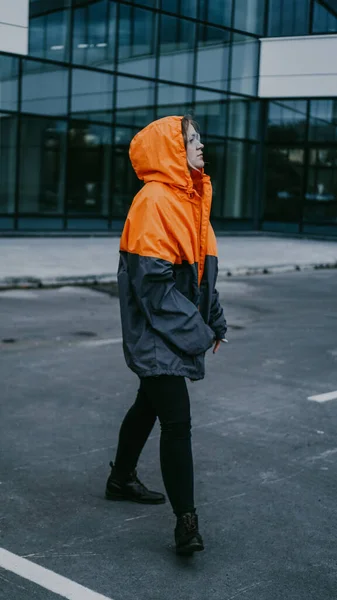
{"x": 194, "y": 148}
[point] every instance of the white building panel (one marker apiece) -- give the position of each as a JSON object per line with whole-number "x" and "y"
{"x": 15, "y": 12}
{"x": 14, "y": 19}
{"x": 298, "y": 67}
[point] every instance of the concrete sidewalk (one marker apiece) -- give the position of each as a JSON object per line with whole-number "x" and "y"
{"x": 46, "y": 262}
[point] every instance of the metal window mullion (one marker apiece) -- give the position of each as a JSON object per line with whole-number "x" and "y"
{"x": 306, "y": 157}
{"x": 18, "y": 145}
{"x": 260, "y": 195}
{"x": 311, "y": 17}
{"x": 266, "y": 17}
{"x": 67, "y": 147}
{"x": 157, "y": 59}
{"x": 114, "y": 115}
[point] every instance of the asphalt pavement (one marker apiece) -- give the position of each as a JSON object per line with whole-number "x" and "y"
{"x": 265, "y": 455}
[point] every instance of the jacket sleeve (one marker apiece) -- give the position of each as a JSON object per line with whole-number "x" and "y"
{"x": 150, "y": 260}
{"x": 217, "y": 319}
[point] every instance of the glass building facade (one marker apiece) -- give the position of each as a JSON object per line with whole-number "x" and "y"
{"x": 99, "y": 70}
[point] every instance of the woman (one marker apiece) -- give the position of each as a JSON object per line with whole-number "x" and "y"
{"x": 170, "y": 312}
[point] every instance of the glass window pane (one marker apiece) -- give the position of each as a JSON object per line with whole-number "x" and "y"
{"x": 37, "y": 35}
{"x": 94, "y": 34}
{"x": 214, "y": 153}
{"x": 249, "y": 16}
{"x": 325, "y": 19}
{"x": 289, "y": 17}
{"x": 211, "y": 113}
{"x": 238, "y": 118}
{"x": 42, "y": 165}
{"x": 240, "y": 185}
{"x": 284, "y": 184}
{"x": 321, "y": 196}
{"x": 173, "y": 100}
{"x": 213, "y": 57}
{"x": 323, "y": 120}
{"x": 170, "y": 5}
{"x": 135, "y": 101}
{"x": 92, "y": 95}
{"x": 177, "y": 37}
{"x": 9, "y": 70}
{"x": 44, "y": 88}
{"x": 136, "y": 52}
{"x": 219, "y": 12}
{"x": 125, "y": 183}
{"x": 287, "y": 121}
{"x": 57, "y": 35}
{"x": 8, "y": 133}
{"x": 89, "y": 169}
{"x": 244, "y": 69}
{"x": 188, "y": 8}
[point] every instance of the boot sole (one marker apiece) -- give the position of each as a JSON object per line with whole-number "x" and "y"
{"x": 120, "y": 497}
{"x": 190, "y": 549}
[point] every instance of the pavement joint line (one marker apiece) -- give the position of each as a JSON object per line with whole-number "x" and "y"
{"x": 45, "y": 578}
{"x": 102, "y": 342}
{"x": 323, "y": 397}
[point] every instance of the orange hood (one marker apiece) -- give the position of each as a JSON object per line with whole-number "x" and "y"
{"x": 158, "y": 153}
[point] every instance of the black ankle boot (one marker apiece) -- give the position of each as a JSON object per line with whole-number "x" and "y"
{"x": 130, "y": 488}
{"x": 187, "y": 536}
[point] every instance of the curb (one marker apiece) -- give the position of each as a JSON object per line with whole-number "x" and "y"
{"x": 26, "y": 283}
{"x": 270, "y": 269}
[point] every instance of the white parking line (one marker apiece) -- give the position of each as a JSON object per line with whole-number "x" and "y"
{"x": 94, "y": 343}
{"x": 324, "y": 397}
{"x": 45, "y": 578}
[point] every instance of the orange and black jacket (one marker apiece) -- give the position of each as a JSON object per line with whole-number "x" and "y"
{"x": 168, "y": 265}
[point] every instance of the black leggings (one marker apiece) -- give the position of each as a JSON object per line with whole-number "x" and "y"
{"x": 165, "y": 397}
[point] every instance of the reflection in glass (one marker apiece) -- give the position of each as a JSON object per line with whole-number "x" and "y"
{"x": 92, "y": 95}
{"x": 42, "y": 165}
{"x": 125, "y": 183}
{"x": 211, "y": 113}
{"x": 136, "y": 51}
{"x": 219, "y": 12}
{"x": 186, "y": 8}
{"x": 135, "y": 101}
{"x": 89, "y": 168}
{"x": 173, "y": 100}
{"x": 287, "y": 121}
{"x": 244, "y": 69}
{"x": 321, "y": 196}
{"x": 9, "y": 69}
{"x": 249, "y": 16}
{"x": 49, "y": 35}
{"x": 213, "y": 57}
{"x": 8, "y": 132}
{"x": 214, "y": 153}
{"x": 44, "y": 88}
{"x": 177, "y": 38}
{"x": 94, "y": 34}
{"x": 239, "y": 185}
{"x": 325, "y": 19}
{"x": 284, "y": 184}
{"x": 323, "y": 120}
{"x": 289, "y": 17}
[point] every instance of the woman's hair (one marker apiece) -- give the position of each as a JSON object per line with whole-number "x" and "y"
{"x": 185, "y": 122}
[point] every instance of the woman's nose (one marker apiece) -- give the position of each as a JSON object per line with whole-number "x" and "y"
{"x": 200, "y": 146}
